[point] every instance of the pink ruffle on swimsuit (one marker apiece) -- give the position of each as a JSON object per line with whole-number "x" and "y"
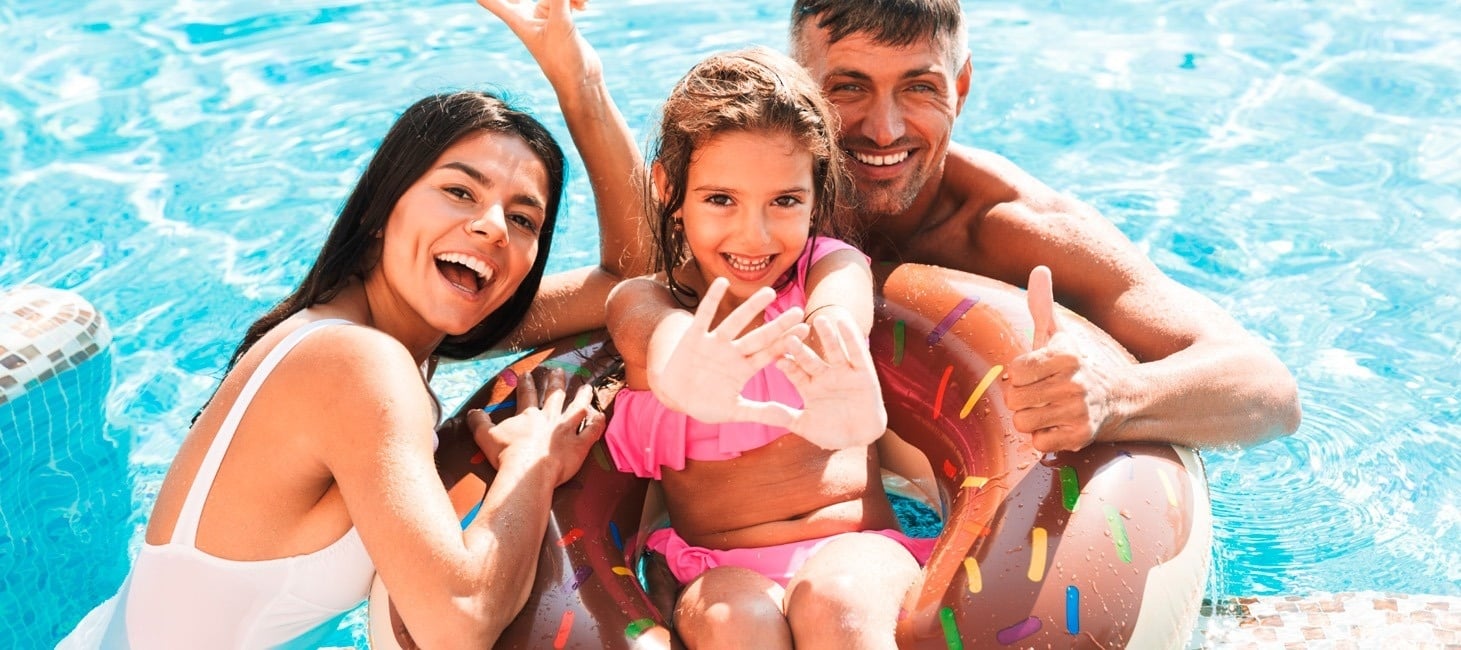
{"x": 644, "y": 435}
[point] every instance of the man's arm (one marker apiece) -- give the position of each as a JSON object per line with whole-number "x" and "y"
{"x": 1201, "y": 380}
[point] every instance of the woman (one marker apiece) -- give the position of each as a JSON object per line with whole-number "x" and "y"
{"x": 311, "y": 467}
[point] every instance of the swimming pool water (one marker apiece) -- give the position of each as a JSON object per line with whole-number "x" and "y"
{"x": 176, "y": 163}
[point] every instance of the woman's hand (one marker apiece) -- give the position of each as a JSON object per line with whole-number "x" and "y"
{"x": 700, "y": 371}
{"x": 546, "y": 28}
{"x": 842, "y": 400}
{"x": 542, "y": 432}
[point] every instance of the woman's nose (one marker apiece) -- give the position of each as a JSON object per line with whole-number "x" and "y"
{"x": 491, "y": 223}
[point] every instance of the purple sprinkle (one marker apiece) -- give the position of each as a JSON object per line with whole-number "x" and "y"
{"x": 953, "y": 317}
{"x": 583, "y": 573}
{"x": 1020, "y": 630}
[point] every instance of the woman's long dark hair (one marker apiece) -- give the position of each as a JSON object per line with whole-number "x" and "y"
{"x": 414, "y": 142}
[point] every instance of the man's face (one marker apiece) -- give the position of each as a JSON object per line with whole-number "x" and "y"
{"x": 897, "y": 106}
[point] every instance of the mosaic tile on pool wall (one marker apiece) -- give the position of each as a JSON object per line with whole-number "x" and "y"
{"x": 1349, "y": 620}
{"x": 44, "y": 332}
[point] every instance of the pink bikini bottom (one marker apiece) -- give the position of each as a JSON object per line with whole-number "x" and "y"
{"x": 778, "y": 562}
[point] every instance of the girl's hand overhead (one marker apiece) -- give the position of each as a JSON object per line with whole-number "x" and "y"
{"x": 547, "y": 29}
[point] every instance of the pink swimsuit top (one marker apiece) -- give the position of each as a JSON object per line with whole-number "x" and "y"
{"x": 644, "y": 434}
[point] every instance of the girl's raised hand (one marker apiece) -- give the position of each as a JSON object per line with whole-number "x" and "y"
{"x": 705, "y": 368}
{"x": 842, "y": 400}
{"x": 546, "y": 28}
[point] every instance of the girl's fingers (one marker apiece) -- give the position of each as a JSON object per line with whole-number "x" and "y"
{"x": 777, "y": 347}
{"x": 806, "y": 359}
{"x": 705, "y": 312}
{"x": 741, "y": 316}
{"x": 770, "y": 334}
{"x": 858, "y": 355}
{"x": 773, "y": 414}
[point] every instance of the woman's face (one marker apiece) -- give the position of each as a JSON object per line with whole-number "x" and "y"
{"x": 464, "y": 235}
{"x": 748, "y": 208}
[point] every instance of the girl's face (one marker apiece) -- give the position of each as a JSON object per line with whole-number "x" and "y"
{"x": 748, "y": 208}
{"x": 462, "y": 237}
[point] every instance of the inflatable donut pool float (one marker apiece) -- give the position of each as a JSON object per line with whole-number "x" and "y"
{"x": 1105, "y": 547}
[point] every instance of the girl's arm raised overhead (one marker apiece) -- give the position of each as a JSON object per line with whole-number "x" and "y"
{"x": 373, "y": 426}
{"x": 614, "y": 164}
{"x": 573, "y": 302}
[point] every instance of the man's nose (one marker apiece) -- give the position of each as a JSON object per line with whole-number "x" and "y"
{"x": 883, "y": 123}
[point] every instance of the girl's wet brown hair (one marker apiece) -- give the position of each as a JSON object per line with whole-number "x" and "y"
{"x": 754, "y": 90}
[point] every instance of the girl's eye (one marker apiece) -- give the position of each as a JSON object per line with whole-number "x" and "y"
{"x": 786, "y": 201}
{"x": 459, "y": 193}
{"x": 718, "y": 199}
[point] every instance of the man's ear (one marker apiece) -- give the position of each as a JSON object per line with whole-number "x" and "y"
{"x": 961, "y": 83}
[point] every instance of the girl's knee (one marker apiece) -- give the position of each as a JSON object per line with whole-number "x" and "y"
{"x": 731, "y": 607}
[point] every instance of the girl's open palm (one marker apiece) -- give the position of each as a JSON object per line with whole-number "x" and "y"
{"x": 704, "y": 369}
{"x": 842, "y": 402}
{"x": 547, "y": 29}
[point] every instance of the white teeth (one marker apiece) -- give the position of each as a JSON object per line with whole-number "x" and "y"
{"x": 478, "y": 266}
{"x": 747, "y": 264}
{"x": 880, "y": 161}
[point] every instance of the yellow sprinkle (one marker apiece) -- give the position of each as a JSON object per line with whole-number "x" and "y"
{"x": 1037, "y": 554}
{"x": 975, "y": 482}
{"x": 984, "y": 383}
{"x": 1167, "y": 483}
{"x": 976, "y": 582}
{"x": 623, "y": 571}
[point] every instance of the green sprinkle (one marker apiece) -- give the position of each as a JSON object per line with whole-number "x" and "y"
{"x": 951, "y": 629}
{"x": 898, "y": 328}
{"x": 1118, "y": 534}
{"x": 1070, "y": 488}
{"x": 638, "y": 627}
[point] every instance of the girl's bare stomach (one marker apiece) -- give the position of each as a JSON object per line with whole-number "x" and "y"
{"x": 787, "y": 491}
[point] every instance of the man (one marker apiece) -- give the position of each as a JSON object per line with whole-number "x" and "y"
{"x": 898, "y": 72}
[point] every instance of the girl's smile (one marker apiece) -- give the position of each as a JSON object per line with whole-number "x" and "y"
{"x": 748, "y": 208}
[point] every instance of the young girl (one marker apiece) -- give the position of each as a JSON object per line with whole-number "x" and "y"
{"x": 779, "y": 539}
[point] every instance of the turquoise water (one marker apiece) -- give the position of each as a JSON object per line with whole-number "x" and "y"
{"x": 1300, "y": 163}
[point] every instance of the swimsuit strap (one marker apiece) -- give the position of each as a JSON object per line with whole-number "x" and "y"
{"x": 185, "y": 531}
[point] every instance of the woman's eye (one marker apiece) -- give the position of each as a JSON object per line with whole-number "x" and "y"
{"x": 524, "y": 221}
{"x": 459, "y": 193}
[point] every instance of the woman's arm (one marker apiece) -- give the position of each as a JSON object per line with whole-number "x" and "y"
{"x": 373, "y": 420}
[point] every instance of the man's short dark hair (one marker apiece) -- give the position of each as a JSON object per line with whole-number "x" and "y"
{"x": 896, "y": 23}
